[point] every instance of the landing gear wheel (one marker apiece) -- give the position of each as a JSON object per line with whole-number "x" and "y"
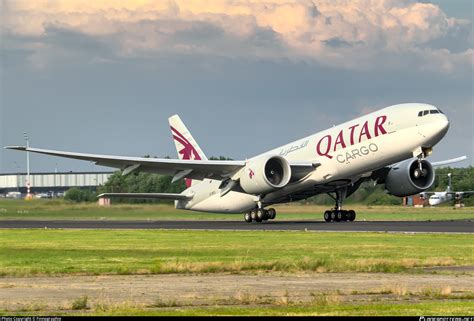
{"x": 253, "y": 215}
{"x": 260, "y": 215}
{"x": 327, "y": 216}
{"x": 419, "y": 172}
{"x": 333, "y": 216}
{"x": 345, "y": 216}
{"x": 266, "y": 215}
{"x": 416, "y": 173}
{"x": 272, "y": 213}
{"x": 248, "y": 217}
{"x": 352, "y": 215}
{"x": 338, "y": 216}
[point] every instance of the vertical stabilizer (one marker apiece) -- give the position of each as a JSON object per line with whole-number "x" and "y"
{"x": 186, "y": 145}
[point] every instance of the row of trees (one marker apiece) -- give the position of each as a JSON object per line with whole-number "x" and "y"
{"x": 462, "y": 179}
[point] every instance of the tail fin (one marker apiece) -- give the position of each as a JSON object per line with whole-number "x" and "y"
{"x": 186, "y": 145}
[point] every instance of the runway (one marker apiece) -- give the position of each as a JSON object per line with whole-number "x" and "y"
{"x": 460, "y": 226}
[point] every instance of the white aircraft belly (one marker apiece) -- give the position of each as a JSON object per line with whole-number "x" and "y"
{"x": 232, "y": 202}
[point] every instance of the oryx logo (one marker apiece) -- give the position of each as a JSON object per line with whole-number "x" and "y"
{"x": 251, "y": 173}
{"x": 188, "y": 151}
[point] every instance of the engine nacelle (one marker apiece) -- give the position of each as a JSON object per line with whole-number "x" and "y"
{"x": 265, "y": 174}
{"x": 406, "y": 179}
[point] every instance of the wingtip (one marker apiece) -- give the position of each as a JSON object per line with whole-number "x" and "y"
{"x": 15, "y": 147}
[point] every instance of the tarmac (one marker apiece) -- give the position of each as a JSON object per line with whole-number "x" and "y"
{"x": 452, "y": 226}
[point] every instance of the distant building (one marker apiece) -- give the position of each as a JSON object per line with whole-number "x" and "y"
{"x": 52, "y": 182}
{"x": 414, "y": 200}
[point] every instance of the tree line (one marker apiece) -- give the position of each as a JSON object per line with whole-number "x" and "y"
{"x": 462, "y": 180}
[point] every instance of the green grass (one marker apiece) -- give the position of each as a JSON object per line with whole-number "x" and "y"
{"x": 61, "y": 210}
{"x": 366, "y": 309}
{"x": 67, "y": 252}
{"x": 433, "y": 308}
{"x": 50, "y": 252}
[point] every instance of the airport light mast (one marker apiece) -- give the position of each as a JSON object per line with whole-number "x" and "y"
{"x": 28, "y": 182}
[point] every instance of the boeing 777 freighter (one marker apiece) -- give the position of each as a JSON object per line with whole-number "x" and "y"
{"x": 388, "y": 146}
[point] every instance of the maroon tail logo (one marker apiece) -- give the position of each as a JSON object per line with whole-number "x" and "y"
{"x": 188, "y": 151}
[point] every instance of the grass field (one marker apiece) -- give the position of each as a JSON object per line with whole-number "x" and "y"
{"x": 332, "y": 308}
{"x": 317, "y": 309}
{"x": 55, "y": 253}
{"x": 58, "y": 209}
{"x": 46, "y": 252}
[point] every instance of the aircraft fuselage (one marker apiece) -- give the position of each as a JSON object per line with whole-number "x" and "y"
{"x": 346, "y": 152}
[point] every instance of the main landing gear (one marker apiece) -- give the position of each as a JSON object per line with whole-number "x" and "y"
{"x": 259, "y": 215}
{"x": 338, "y": 214}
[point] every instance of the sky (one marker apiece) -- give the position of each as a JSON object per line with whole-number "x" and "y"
{"x": 245, "y": 76}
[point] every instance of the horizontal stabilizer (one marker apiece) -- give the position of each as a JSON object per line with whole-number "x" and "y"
{"x": 164, "y": 196}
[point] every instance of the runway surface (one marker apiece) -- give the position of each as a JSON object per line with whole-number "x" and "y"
{"x": 461, "y": 226}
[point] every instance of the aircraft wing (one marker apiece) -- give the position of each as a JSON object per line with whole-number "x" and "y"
{"x": 163, "y": 196}
{"x": 463, "y": 193}
{"x": 425, "y": 195}
{"x": 195, "y": 169}
{"x": 449, "y": 161}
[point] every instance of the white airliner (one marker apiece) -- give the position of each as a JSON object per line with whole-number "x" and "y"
{"x": 388, "y": 146}
{"x": 436, "y": 198}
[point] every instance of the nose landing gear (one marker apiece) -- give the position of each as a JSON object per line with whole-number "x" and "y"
{"x": 420, "y": 171}
{"x": 421, "y": 153}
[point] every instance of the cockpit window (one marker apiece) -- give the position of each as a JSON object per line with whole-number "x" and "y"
{"x": 427, "y": 112}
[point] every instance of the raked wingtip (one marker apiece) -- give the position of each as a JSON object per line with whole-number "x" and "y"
{"x": 15, "y": 147}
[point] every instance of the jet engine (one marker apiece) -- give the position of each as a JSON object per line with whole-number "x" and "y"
{"x": 265, "y": 174}
{"x": 408, "y": 178}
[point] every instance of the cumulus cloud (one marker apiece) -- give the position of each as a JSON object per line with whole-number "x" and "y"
{"x": 342, "y": 33}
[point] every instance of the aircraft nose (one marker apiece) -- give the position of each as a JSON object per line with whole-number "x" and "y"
{"x": 440, "y": 129}
{"x": 435, "y": 129}
{"x": 443, "y": 125}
